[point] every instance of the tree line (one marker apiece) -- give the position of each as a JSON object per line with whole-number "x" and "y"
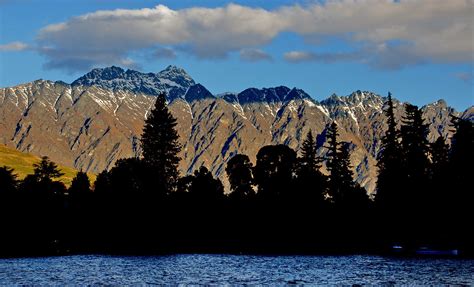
{"x": 283, "y": 203}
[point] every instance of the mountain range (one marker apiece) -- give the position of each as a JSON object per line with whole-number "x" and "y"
{"x": 98, "y": 119}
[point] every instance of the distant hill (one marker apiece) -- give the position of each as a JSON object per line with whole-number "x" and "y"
{"x": 22, "y": 163}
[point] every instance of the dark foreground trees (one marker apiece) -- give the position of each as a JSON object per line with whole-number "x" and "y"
{"x": 285, "y": 202}
{"x": 423, "y": 190}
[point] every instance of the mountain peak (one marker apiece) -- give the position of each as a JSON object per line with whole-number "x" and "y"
{"x": 176, "y": 75}
{"x": 296, "y": 94}
{"x": 173, "y": 81}
{"x": 197, "y": 92}
{"x": 173, "y": 68}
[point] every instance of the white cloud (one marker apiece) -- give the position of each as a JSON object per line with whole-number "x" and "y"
{"x": 254, "y": 55}
{"x": 13, "y": 46}
{"x": 430, "y": 30}
{"x": 299, "y": 56}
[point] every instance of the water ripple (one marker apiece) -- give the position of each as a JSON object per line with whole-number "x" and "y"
{"x": 234, "y": 270}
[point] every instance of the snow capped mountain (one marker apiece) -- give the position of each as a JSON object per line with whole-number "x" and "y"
{"x": 173, "y": 81}
{"x": 99, "y": 118}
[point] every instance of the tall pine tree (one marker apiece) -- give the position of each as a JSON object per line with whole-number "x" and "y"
{"x": 461, "y": 179}
{"x": 338, "y": 163}
{"x": 308, "y": 153}
{"x": 415, "y": 144}
{"x": 311, "y": 182}
{"x": 389, "y": 162}
{"x": 161, "y": 147}
{"x": 415, "y": 179}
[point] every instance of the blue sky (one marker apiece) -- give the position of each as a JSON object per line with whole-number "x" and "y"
{"x": 421, "y": 51}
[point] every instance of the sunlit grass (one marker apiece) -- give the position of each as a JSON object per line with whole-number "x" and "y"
{"x": 22, "y": 163}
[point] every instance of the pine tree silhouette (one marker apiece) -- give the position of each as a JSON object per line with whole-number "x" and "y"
{"x": 80, "y": 184}
{"x": 44, "y": 178}
{"x": 46, "y": 170}
{"x": 415, "y": 144}
{"x": 389, "y": 163}
{"x": 461, "y": 179}
{"x": 161, "y": 147}
{"x": 312, "y": 184}
{"x": 338, "y": 163}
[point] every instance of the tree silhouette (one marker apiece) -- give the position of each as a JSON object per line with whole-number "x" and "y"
{"x": 439, "y": 151}
{"x": 414, "y": 143}
{"x": 415, "y": 150}
{"x": 239, "y": 171}
{"x": 462, "y": 151}
{"x": 274, "y": 171}
{"x": 46, "y": 170}
{"x": 102, "y": 182}
{"x": 8, "y": 180}
{"x": 204, "y": 187}
{"x": 43, "y": 178}
{"x": 309, "y": 158}
{"x": 310, "y": 181}
{"x": 462, "y": 157}
{"x": 338, "y": 163}
{"x": 160, "y": 146}
{"x": 389, "y": 163}
{"x": 80, "y": 184}
{"x": 128, "y": 177}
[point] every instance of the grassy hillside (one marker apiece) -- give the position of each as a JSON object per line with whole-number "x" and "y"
{"x": 22, "y": 163}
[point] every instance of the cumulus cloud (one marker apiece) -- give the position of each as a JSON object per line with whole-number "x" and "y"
{"x": 254, "y": 55}
{"x": 433, "y": 30}
{"x": 13, "y": 46}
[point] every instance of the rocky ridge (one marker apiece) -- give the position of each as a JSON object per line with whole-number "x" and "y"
{"x": 98, "y": 119}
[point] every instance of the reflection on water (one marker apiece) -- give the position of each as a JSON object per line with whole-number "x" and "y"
{"x": 234, "y": 269}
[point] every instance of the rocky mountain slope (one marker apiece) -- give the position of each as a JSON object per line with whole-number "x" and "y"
{"x": 98, "y": 119}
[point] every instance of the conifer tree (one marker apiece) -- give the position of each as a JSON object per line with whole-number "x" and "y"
{"x": 160, "y": 146}
{"x": 308, "y": 152}
{"x": 389, "y": 161}
{"x": 414, "y": 179}
{"x": 311, "y": 182}
{"x": 46, "y": 170}
{"x": 461, "y": 160}
{"x": 80, "y": 184}
{"x": 44, "y": 178}
{"x": 461, "y": 178}
{"x": 338, "y": 163}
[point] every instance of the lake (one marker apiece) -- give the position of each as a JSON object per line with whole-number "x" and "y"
{"x": 234, "y": 269}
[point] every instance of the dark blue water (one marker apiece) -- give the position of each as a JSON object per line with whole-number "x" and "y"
{"x": 234, "y": 269}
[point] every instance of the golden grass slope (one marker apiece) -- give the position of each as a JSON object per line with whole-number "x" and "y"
{"x": 22, "y": 163}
